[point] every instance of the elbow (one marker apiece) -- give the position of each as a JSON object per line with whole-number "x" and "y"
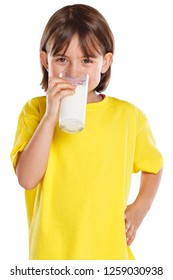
{"x": 26, "y": 184}
{"x": 24, "y": 181}
{"x": 28, "y": 178}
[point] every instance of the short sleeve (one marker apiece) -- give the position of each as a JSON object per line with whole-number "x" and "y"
{"x": 28, "y": 121}
{"x": 147, "y": 157}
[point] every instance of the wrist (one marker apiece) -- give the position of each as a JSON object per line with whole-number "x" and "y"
{"x": 50, "y": 121}
{"x": 142, "y": 205}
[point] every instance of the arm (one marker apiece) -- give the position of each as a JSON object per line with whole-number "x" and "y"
{"x": 135, "y": 212}
{"x": 32, "y": 162}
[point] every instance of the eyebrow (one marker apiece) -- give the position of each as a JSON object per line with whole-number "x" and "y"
{"x": 84, "y": 56}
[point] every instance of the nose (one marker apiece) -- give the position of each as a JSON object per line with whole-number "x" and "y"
{"x": 74, "y": 70}
{"x": 75, "y": 65}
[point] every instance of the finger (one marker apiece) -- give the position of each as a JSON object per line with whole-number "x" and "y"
{"x": 127, "y": 225}
{"x": 54, "y": 80}
{"x": 130, "y": 234}
{"x": 63, "y": 88}
{"x": 131, "y": 239}
{"x": 65, "y": 92}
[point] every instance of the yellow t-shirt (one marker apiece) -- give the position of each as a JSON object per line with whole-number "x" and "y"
{"x": 77, "y": 211}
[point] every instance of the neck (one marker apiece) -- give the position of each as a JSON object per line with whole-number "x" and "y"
{"x": 94, "y": 97}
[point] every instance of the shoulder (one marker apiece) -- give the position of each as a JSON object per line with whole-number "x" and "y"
{"x": 35, "y": 106}
{"x": 129, "y": 110}
{"x": 124, "y": 105}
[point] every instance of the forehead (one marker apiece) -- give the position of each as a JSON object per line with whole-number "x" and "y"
{"x": 72, "y": 46}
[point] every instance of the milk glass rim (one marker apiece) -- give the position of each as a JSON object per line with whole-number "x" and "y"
{"x": 80, "y": 79}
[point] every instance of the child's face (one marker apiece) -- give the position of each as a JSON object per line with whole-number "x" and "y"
{"x": 74, "y": 59}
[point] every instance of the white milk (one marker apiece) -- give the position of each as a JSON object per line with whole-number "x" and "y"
{"x": 73, "y": 109}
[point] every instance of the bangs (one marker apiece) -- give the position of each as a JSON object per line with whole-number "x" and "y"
{"x": 89, "y": 43}
{"x": 90, "y": 46}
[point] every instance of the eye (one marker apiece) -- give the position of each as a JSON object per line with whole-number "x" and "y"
{"x": 61, "y": 59}
{"x": 87, "y": 60}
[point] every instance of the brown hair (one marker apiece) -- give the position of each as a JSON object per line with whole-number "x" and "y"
{"x": 93, "y": 30}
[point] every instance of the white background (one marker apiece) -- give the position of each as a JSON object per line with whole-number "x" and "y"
{"x": 141, "y": 73}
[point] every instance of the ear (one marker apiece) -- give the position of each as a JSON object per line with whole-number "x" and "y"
{"x": 107, "y": 60}
{"x": 44, "y": 59}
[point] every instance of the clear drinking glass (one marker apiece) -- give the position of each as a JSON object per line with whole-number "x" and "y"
{"x": 73, "y": 107}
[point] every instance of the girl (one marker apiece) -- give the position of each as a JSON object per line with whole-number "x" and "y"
{"x": 77, "y": 185}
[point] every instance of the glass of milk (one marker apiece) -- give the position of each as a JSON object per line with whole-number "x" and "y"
{"x": 73, "y": 107}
